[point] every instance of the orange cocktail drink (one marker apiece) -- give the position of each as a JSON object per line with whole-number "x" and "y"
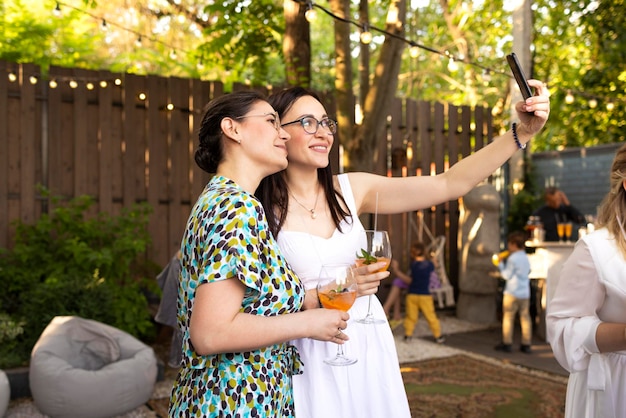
{"x": 560, "y": 229}
{"x": 362, "y": 262}
{"x": 342, "y": 300}
{"x": 568, "y": 231}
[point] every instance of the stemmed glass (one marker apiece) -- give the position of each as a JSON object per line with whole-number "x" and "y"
{"x": 375, "y": 247}
{"x": 568, "y": 232}
{"x": 337, "y": 289}
{"x": 560, "y": 229}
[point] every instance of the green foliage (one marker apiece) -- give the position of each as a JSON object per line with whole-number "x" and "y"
{"x": 73, "y": 263}
{"x": 580, "y": 52}
{"x": 32, "y": 34}
{"x": 525, "y": 201}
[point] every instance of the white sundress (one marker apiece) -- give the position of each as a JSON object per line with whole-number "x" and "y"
{"x": 373, "y": 386}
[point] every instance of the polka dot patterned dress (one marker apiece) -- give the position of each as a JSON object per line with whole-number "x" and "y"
{"x": 227, "y": 237}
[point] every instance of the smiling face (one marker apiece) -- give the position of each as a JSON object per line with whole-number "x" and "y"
{"x": 305, "y": 149}
{"x": 262, "y": 143}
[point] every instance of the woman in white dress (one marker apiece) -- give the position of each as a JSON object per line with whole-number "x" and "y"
{"x": 316, "y": 222}
{"x": 587, "y": 316}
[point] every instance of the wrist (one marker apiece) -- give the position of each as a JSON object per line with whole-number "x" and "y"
{"x": 515, "y": 132}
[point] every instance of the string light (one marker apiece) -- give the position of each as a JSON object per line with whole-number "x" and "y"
{"x": 310, "y": 14}
{"x": 453, "y": 61}
{"x": 106, "y": 24}
{"x": 366, "y": 35}
{"x": 452, "y": 65}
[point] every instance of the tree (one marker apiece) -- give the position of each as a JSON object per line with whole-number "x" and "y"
{"x": 362, "y": 147}
{"x": 297, "y": 45}
{"x": 587, "y": 77}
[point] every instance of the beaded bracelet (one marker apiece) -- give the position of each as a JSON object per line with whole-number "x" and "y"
{"x": 514, "y": 131}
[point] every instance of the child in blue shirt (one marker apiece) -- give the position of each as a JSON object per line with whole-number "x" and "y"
{"x": 516, "y": 298}
{"x": 419, "y": 297}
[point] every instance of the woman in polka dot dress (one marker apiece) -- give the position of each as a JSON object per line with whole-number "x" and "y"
{"x": 239, "y": 302}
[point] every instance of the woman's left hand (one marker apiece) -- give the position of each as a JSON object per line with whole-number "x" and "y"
{"x": 368, "y": 278}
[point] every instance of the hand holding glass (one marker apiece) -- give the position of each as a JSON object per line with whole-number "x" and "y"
{"x": 337, "y": 289}
{"x": 376, "y": 248}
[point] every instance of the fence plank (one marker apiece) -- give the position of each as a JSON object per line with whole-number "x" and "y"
{"x": 158, "y": 155}
{"x": 105, "y": 143}
{"x": 83, "y": 163}
{"x": 30, "y": 135}
{"x": 132, "y": 131}
{"x": 5, "y": 70}
{"x": 180, "y": 135}
{"x": 60, "y": 155}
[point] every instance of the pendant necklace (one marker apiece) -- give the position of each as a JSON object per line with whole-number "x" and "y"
{"x": 312, "y": 211}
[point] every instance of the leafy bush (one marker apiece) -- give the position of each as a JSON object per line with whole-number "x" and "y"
{"x": 71, "y": 262}
{"x": 524, "y": 203}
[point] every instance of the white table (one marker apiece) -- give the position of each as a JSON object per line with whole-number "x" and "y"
{"x": 545, "y": 266}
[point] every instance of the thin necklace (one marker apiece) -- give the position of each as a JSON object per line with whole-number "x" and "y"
{"x": 312, "y": 211}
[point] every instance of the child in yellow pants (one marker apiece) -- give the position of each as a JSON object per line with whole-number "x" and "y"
{"x": 419, "y": 297}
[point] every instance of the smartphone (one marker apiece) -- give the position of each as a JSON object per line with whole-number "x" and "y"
{"x": 518, "y": 73}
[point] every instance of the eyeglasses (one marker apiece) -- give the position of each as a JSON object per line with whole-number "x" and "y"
{"x": 311, "y": 125}
{"x": 275, "y": 121}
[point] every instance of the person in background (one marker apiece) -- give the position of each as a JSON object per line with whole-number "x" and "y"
{"x": 586, "y": 318}
{"x": 315, "y": 216}
{"x": 557, "y": 209}
{"x": 239, "y": 302}
{"x": 514, "y": 269}
{"x": 168, "y": 310}
{"x": 419, "y": 297}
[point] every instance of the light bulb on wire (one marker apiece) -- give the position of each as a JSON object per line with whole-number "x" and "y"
{"x": 569, "y": 99}
{"x": 57, "y": 10}
{"x": 310, "y": 14}
{"x": 366, "y": 35}
{"x": 452, "y": 65}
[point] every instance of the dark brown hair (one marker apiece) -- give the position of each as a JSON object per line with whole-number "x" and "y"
{"x": 210, "y": 151}
{"x": 272, "y": 192}
{"x": 518, "y": 238}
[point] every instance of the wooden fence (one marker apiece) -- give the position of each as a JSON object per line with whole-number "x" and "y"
{"x": 124, "y": 138}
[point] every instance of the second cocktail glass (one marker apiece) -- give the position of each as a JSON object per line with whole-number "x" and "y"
{"x": 375, "y": 247}
{"x": 337, "y": 289}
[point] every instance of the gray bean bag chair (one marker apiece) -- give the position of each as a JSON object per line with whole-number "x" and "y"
{"x": 5, "y": 392}
{"x": 84, "y": 368}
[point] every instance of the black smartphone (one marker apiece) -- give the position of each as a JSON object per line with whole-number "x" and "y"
{"x": 518, "y": 73}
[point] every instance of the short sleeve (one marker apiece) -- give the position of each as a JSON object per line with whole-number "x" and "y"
{"x": 233, "y": 246}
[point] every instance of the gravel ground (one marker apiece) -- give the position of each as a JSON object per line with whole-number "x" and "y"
{"x": 421, "y": 347}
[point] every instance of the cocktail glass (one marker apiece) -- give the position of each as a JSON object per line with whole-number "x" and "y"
{"x": 375, "y": 248}
{"x": 337, "y": 289}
